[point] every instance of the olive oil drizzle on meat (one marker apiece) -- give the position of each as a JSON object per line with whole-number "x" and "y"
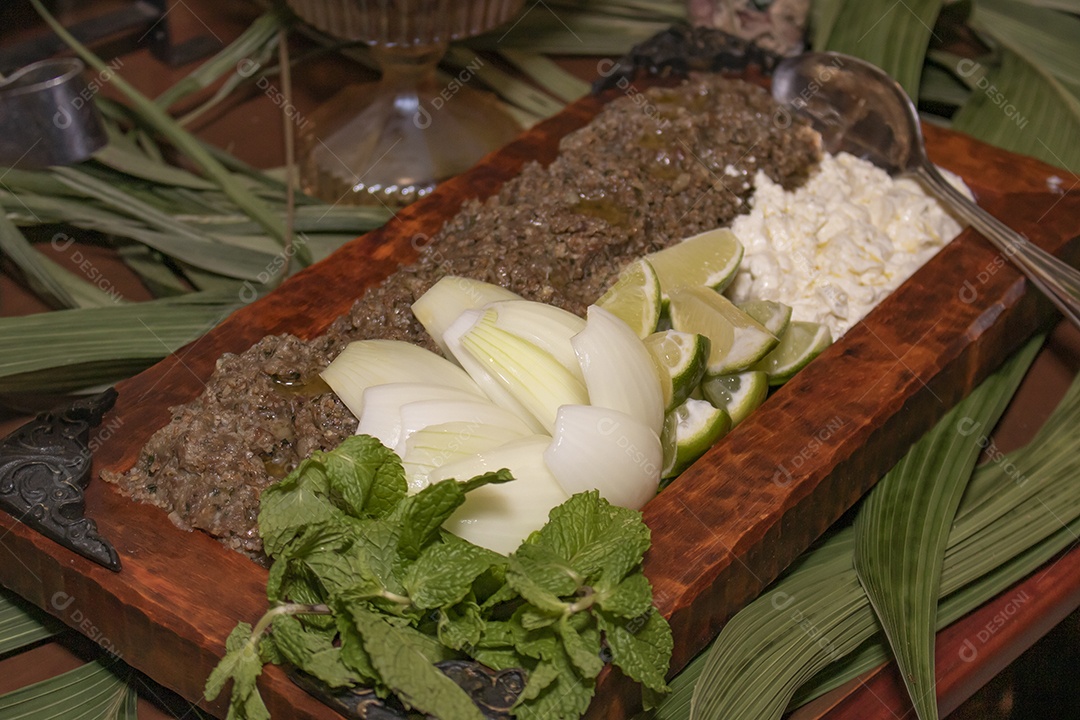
{"x": 650, "y": 169}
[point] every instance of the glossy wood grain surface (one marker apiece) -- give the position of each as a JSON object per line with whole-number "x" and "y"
{"x": 720, "y": 533}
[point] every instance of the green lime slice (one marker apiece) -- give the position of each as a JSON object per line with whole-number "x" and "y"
{"x": 680, "y": 360}
{"x": 738, "y": 394}
{"x": 738, "y": 341}
{"x": 801, "y": 343}
{"x": 774, "y": 316}
{"x": 635, "y": 297}
{"x": 689, "y": 431}
{"x": 710, "y": 259}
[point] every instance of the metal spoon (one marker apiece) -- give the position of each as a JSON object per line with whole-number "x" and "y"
{"x": 859, "y": 109}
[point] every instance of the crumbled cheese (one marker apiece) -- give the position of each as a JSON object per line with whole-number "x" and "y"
{"x": 835, "y": 247}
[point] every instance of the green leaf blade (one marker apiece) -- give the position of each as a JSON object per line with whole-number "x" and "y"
{"x": 902, "y": 529}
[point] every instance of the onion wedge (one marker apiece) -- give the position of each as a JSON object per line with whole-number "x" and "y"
{"x": 619, "y": 372}
{"x": 513, "y": 372}
{"x": 418, "y": 415}
{"x": 381, "y": 414}
{"x": 443, "y": 303}
{"x": 376, "y": 362}
{"x": 545, "y": 326}
{"x": 437, "y": 445}
{"x": 597, "y": 448}
{"x": 499, "y": 517}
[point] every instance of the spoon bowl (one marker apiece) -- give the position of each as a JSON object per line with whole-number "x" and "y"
{"x": 859, "y": 109}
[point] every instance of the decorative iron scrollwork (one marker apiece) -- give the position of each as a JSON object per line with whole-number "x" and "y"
{"x": 681, "y": 49}
{"x": 44, "y": 468}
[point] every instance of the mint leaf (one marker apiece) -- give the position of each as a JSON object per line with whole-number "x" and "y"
{"x": 444, "y": 573}
{"x": 243, "y": 666}
{"x": 316, "y": 564}
{"x": 542, "y": 577}
{"x": 540, "y": 678}
{"x": 328, "y": 665}
{"x": 294, "y": 642}
{"x": 502, "y": 594}
{"x": 594, "y": 537}
{"x": 460, "y": 627}
{"x": 492, "y": 478}
{"x": 375, "y": 544}
{"x": 360, "y": 478}
{"x": 567, "y": 695}
{"x": 534, "y": 618}
{"x": 313, "y": 651}
{"x": 405, "y": 670}
{"x": 540, "y": 643}
{"x": 630, "y": 598}
{"x": 353, "y": 654}
{"x": 365, "y": 477}
{"x": 289, "y": 506}
{"x": 545, "y": 568}
{"x": 423, "y": 514}
{"x": 582, "y": 648}
{"x": 499, "y": 658}
{"x": 640, "y": 647}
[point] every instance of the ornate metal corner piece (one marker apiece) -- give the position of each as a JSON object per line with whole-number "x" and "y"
{"x": 44, "y": 468}
{"x": 682, "y": 49}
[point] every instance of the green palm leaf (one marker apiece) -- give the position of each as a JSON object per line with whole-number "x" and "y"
{"x": 903, "y": 527}
{"x": 892, "y": 35}
{"x": 22, "y": 624}
{"x": 1030, "y": 104}
{"x": 71, "y": 349}
{"x": 819, "y": 613}
{"x": 90, "y": 691}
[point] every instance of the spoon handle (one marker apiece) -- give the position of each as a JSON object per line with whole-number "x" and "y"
{"x": 1057, "y": 280}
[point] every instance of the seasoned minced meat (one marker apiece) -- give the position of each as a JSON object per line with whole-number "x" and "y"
{"x": 650, "y": 169}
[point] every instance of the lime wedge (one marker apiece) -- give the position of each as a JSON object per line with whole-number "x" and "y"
{"x": 710, "y": 259}
{"x": 738, "y": 341}
{"x": 773, "y": 316}
{"x": 635, "y": 297}
{"x": 689, "y": 430}
{"x": 800, "y": 343}
{"x": 738, "y": 394}
{"x": 680, "y": 360}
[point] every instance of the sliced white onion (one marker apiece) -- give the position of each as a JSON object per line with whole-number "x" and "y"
{"x": 444, "y": 302}
{"x": 381, "y": 414}
{"x": 436, "y": 445}
{"x": 515, "y": 373}
{"x": 597, "y": 448}
{"x": 545, "y": 326}
{"x": 376, "y": 362}
{"x": 619, "y": 372}
{"x": 479, "y": 371}
{"x": 416, "y": 416}
{"x": 499, "y": 517}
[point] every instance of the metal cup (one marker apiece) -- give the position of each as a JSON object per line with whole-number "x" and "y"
{"x": 47, "y": 116}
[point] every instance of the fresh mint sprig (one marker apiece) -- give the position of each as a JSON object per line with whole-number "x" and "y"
{"x": 367, "y": 590}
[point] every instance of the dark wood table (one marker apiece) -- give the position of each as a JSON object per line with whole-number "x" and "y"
{"x": 250, "y": 128}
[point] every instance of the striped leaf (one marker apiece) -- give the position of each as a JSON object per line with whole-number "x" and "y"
{"x": 21, "y": 624}
{"x": 1030, "y": 104}
{"x": 890, "y": 34}
{"x": 818, "y": 613}
{"x": 78, "y": 348}
{"x": 156, "y": 117}
{"x": 92, "y": 690}
{"x": 902, "y": 529}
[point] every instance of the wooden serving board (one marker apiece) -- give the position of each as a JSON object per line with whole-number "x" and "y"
{"x": 721, "y": 532}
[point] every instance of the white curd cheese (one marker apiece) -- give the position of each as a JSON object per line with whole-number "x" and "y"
{"x": 835, "y": 247}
